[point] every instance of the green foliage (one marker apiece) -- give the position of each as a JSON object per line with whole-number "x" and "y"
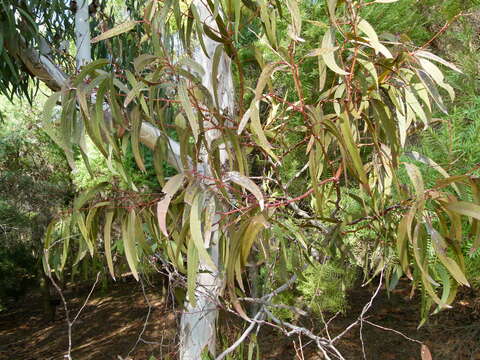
{"x": 17, "y": 271}
{"x": 349, "y": 127}
{"x": 34, "y": 185}
{"x": 324, "y": 288}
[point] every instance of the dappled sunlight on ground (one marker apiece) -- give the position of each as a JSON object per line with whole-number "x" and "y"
{"x": 110, "y": 325}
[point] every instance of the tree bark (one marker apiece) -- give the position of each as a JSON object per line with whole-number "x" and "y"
{"x": 82, "y": 34}
{"x": 198, "y": 323}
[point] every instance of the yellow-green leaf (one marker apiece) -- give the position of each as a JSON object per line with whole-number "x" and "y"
{"x": 135, "y": 138}
{"x": 417, "y": 180}
{"x": 192, "y": 269}
{"x": 465, "y": 208}
{"x": 196, "y": 232}
{"x": 257, "y": 223}
{"x": 107, "y": 239}
{"x": 429, "y": 55}
{"x": 129, "y": 243}
{"x": 440, "y": 246}
{"x": 117, "y": 30}
{"x": 257, "y": 130}
{"x": 187, "y": 106}
{"x": 170, "y": 188}
{"x": 427, "y": 161}
{"x": 329, "y": 57}
{"x": 248, "y": 184}
{"x": 321, "y": 51}
{"x": 352, "y": 148}
{"x": 365, "y": 27}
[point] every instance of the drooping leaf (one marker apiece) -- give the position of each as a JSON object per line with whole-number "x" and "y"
{"x": 440, "y": 246}
{"x": 107, "y": 238}
{"x": 129, "y": 242}
{"x": 427, "y": 161}
{"x": 257, "y": 223}
{"x": 417, "y": 180}
{"x": 429, "y": 55}
{"x": 193, "y": 263}
{"x": 352, "y": 149}
{"x": 187, "y": 106}
{"x": 196, "y": 232}
{"x": 246, "y": 183}
{"x": 136, "y": 125}
{"x": 115, "y": 31}
{"x": 321, "y": 51}
{"x": 328, "y": 41}
{"x": 365, "y": 27}
{"x": 465, "y": 208}
{"x": 170, "y": 188}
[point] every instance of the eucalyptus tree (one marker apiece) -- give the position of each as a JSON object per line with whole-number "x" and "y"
{"x": 222, "y": 210}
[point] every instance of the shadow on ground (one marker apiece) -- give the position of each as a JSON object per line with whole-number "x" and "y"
{"x": 109, "y": 327}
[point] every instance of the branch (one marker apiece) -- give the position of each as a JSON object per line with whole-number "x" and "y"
{"x": 43, "y": 68}
{"x": 242, "y": 338}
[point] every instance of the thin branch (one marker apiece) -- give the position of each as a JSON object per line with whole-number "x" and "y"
{"x": 145, "y": 323}
{"x": 393, "y": 330}
{"x": 242, "y": 338}
{"x": 88, "y": 298}
{"x": 364, "y": 310}
{"x": 64, "y": 301}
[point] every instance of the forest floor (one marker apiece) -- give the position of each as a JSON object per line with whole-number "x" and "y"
{"x": 109, "y": 327}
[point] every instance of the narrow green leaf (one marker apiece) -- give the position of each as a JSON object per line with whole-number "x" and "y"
{"x": 328, "y": 41}
{"x": 427, "y": 161}
{"x": 196, "y": 232}
{"x": 465, "y": 208}
{"x": 89, "y": 70}
{"x": 267, "y": 71}
{"x": 352, "y": 149}
{"x": 365, "y": 27}
{"x": 193, "y": 263}
{"x": 187, "y": 106}
{"x": 219, "y": 50}
{"x": 437, "y": 75}
{"x": 142, "y": 61}
{"x": 417, "y": 180}
{"x": 257, "y": 130}
{"x": 246, "y": 183}
{"x": 88, "y": 195}
{"x": 115, "y": 31}
{"x": 429, "y": 55}
{"x": 135, "y": 138}
{"x": 159, "y": 159}
{"x": 440, "y": 246}
{"x": 321, "y": 51}
{"x": 129, "y": 243}
{"x": 107, "y": 238}
{"x": 257, "y": 223}
{"x": 170, "y": 188}
{"x": 332, "y": 6}
{"x": 49, "y": 105}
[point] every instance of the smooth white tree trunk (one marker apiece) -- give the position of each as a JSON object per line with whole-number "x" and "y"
{"x": 198, "y": 323}
{"x": 82, "y": 34}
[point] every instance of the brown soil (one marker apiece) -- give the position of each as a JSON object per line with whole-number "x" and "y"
{"x": 109, "y": 327}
